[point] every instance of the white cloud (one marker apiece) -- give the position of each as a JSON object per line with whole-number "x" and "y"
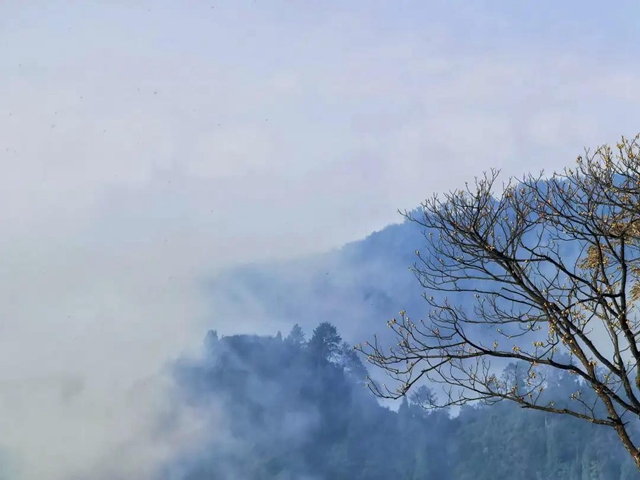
{"x": 141, "y": 149}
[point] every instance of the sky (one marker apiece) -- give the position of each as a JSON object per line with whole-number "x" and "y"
{"x": 144, "y": 145}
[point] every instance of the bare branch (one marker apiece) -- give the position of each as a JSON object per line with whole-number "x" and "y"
{"x": 543, "y": 274}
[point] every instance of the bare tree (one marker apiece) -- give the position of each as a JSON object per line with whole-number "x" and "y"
{"x": 543, "y": 272}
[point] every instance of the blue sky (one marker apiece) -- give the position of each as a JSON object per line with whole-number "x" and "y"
{"x": 145, "y": 144}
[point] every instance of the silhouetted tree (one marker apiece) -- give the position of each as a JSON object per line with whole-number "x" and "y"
{"x": 296, "y": 336}
{"x": 422, "y": 396}
{"x": 351, "y": 362}
{"x": 325, "y": 340}
{"x": 211, "y": 340}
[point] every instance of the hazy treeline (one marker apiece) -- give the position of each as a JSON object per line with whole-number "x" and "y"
{"x": 294, "y": 410}
{"x": 298, "y": 409}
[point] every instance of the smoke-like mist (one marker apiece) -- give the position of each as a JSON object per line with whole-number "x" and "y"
{"x": 86, "y": 333}
{"x": 144, "y": 149}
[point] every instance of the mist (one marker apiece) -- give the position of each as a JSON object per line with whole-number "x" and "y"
{"x": 148, "y": 149}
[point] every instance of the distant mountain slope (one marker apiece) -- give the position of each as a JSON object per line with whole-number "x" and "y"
{"x": 358, "y": 287}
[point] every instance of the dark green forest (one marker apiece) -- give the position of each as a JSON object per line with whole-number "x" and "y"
{"x": 297, "y": 408}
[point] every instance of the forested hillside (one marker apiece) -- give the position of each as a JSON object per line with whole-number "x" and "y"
{"x": 297, "y": 409}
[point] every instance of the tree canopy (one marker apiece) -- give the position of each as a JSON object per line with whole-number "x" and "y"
{"x": 542, "y": 273}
